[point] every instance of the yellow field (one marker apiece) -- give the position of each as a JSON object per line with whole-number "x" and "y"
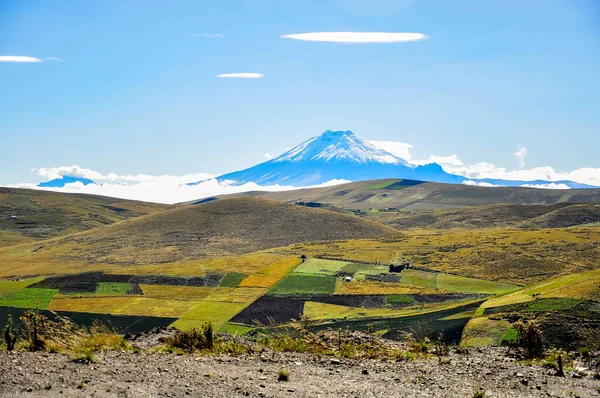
{"x": 186, "y": 293}
{"x": 20, "y": 261}
{"x": 271, "y": 274}
{"x": 247, "y": 264}
{"x": 375, "y": 287}
{"x": 96, "y": 305}
{"x": 319, "y": 311}
{"x": 131, "y": 305}
{"x": 235, "y": 294}
{"x": 216, "y": 313}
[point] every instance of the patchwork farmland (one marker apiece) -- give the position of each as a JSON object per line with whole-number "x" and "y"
{"x": 327, "y": 293}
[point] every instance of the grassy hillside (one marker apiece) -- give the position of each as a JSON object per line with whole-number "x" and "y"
{"x": 415, "y": 195}
{"x": 27, "y": 215}
{"x": 521, "y": 257}
{"x": 563, "y": 306}
{"x": 224, "y": 227}
{"x": 560, "y": 215}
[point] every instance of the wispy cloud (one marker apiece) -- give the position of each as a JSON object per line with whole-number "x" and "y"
{"x": 357, "y": 37}
{"x": 19, "y": 59}
{"x": 209, "y": 35}
{"x": 521, "y": 154}
{"x": 268, "y": 156}
{"x": 55, "y": 59}
{"x": 243, "y": 75}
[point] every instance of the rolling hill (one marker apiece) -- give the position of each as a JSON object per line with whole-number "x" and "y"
{"x": 560, "y": 215}
{"x": 28, "y": 215}
{"x": 224, "y": 227}
{"x": 418, "y": 195}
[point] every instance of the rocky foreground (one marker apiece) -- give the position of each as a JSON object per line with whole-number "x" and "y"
{"x": 126, "y": 374}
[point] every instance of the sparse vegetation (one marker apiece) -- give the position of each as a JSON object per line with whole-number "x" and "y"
{"x": 529, "y": 337}
{"x": 195, "y": 339}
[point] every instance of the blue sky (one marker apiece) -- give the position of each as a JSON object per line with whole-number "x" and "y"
{"x": 136, "y": 87}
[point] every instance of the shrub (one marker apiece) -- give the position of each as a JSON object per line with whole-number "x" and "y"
{"x": 36, "y": 326}
{"x": 194, "y": 339}
{"x": 479, "y": 393}
{"x": 10, "y": 337}
{"x": 529, "y": 337}
{"x": 283, "y": 375}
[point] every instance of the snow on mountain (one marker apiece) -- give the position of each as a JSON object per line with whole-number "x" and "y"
{"x": 335, "y": 155}
{"x": 336, "y": 146}
{"x": 342, "y": 155}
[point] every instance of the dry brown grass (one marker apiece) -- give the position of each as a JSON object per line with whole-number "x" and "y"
{"x": 43, "y": 214}
{"x": 520, "y": 257}
{"x": 224, "y": 227}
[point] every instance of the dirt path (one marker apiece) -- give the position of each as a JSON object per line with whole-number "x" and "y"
{"x": 124, "y": 374}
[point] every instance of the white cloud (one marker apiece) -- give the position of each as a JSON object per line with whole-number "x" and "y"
{"x": 243, "y": 75}
{"x": 547, "y": 186}
{"x": 480, "y": 184}
{"x": 357, "y": 37}
{"x": 521, "y": 154}
{"x": 19, "y": 58}
{"x": 454, "y": 165}
{"x": 269, "y": 156}
{"x": 209, "y": 35}
{"x": 162, "y": 189}
{"x": 55, "y": 59}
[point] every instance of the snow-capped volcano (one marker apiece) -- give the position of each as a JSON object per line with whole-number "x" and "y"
{"x": 332, "y": 146}
{"x": 342, "y": 155}
{"x": 335, "y": 155}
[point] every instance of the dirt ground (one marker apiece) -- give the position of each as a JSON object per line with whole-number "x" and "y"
{"x": 125, "y": 374}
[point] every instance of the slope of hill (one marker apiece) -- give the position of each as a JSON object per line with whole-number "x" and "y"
{"x": 560, "y": 215}
{"x": 28, "y": 215}
{"x": 415, "y": 195}
{"x": 234, "y": 226}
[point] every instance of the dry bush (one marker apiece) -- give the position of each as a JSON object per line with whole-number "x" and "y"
{"x": 529, "y": 337}
{"x": 193, "y": 340}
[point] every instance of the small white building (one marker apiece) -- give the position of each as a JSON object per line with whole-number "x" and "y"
{"x": 348, "y": 279}
{"x": 13, "y": 217}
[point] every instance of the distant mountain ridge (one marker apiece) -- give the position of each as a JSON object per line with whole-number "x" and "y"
{"x": 64, "y": 180}
{"x": 342, "y": 155}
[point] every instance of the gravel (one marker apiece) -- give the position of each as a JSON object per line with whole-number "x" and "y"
{"x": 125, "y": 374}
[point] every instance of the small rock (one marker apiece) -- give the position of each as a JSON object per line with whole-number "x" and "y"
{"x": 365, "y": 372}
{"x": 335, "y": 361}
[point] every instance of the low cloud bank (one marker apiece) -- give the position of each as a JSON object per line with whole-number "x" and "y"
{"x": 161, "y": 189}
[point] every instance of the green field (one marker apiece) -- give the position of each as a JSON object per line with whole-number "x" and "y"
{"x": 29, "y": 298}
{"x": 298, "y": 284}
{"x": 320, "y": 267}
{"x": 232, "y": 279}
{"x": 8, "y": 287}
{"x": 113, "y": 288}
{"x": 217, "y": 313}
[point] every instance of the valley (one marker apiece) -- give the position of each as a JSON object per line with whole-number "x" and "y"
{"x": 259, "y": 261}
